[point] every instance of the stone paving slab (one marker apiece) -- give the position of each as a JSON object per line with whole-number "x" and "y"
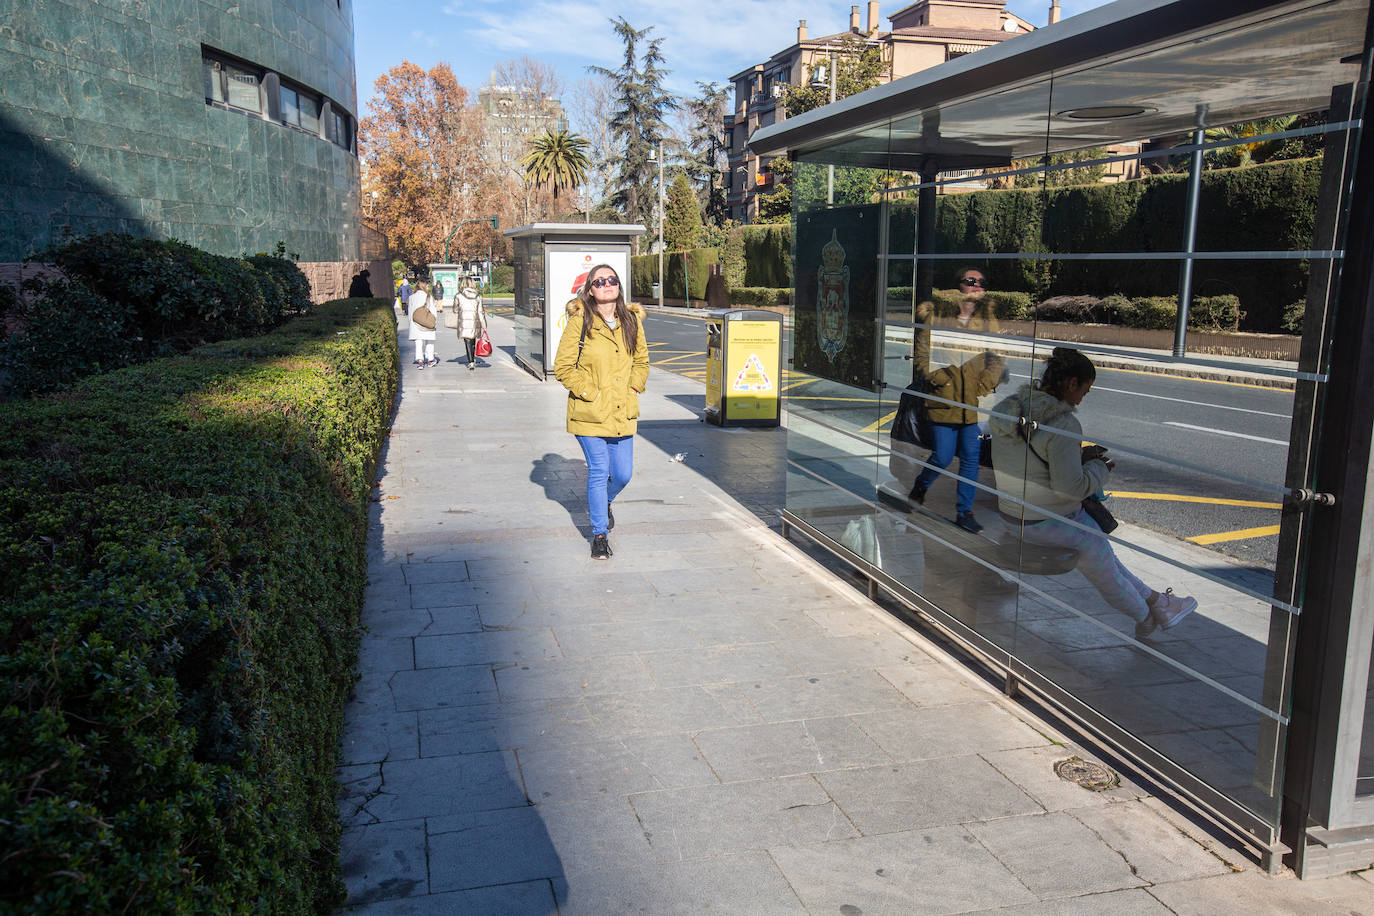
{"x": 711, "y": 721}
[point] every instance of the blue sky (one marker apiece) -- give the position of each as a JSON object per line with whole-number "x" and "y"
{"x": 706, "y": 40}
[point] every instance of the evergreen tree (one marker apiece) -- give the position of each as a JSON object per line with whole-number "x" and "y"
{"x": 682, "y": 219}
{"x": 641, "y": 103}
{"x": 706, "y": 150}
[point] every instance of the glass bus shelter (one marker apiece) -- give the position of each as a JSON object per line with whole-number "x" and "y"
{"x": 1181, "y": 192}
{"x": 551, "y": 262}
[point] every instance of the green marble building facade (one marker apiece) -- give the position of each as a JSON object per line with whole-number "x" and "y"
{"x": 138, "y": 116}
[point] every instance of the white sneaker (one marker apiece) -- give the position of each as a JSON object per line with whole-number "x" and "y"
{"x": 1169, "y": 611}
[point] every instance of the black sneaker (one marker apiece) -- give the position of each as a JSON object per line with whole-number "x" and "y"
{"x": 601, "y": 548}
{"x": 610, "y": 519}
{"x": 917, "y": 494}
{"x": 968, "y": 522}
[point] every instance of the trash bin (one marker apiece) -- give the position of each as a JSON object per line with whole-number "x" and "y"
{"x": 656, "y": 292}
{"x": 744, "y": 368}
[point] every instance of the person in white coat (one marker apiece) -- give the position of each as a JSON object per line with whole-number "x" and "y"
{"x": 472, "y": 317}
{"x": 424, "y": 337}
{"x": 1038, "y": 457}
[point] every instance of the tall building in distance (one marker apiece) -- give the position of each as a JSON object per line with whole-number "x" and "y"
{"x": 515, "y": 116}
{"x": 924, "y": 34}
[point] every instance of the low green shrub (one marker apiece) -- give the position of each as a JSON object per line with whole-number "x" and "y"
{"x": 503, "y": 279}
{"x": 1215, "y": 313}
{"x": 137, "y": 299}
{"x": 181, "y": 571}
{"x": 760, "y": 296}
{"x": 1292, "y": 316}
{"x": 1157, "y": 313}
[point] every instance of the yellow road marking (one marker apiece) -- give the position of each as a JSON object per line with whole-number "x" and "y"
{"x": 1211, "y": 501}
{"x": 813, "y": 397}
{"x": 675, "y": 358}
{"x": 875, "y": 427}
{"x": 798, "y": 383}
{"x": 1238, "y": 535}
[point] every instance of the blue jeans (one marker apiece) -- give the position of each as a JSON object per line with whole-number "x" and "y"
{"x": 948, "y": 436}
{"x": 610, "y": 464}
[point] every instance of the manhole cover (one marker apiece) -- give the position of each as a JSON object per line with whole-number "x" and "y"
{"x": 1087, "y": 774}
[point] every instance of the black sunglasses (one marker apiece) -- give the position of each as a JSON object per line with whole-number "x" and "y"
{"x": 972, "y": 281}
{"x": 606, "y": 281}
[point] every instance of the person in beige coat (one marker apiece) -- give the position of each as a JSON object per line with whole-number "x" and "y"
{"x": 603, "y": 361}
{"x": 472, "y": 317}
{"x": 1044, "y": 472}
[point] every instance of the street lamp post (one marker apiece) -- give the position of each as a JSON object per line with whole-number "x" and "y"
{"x": 658, "y": 154}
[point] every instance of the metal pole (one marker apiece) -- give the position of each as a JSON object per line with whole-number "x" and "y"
{"x": 830, "y": 169}
{"x": 661, "y": 239}
{"x": 1185, "y": 271}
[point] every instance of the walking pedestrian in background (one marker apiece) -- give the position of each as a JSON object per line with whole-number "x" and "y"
{"x": 603, "y": 361}
{"x": 424, "y": 337}
{"x": 472, "y": 317}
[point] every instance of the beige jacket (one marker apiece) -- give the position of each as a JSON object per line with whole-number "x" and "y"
{"x": 1047, "y": 470}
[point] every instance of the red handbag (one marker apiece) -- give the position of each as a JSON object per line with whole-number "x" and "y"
{"x": 483, "y": 347}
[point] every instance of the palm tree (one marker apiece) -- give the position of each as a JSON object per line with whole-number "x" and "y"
{"x": 557, "y": 159}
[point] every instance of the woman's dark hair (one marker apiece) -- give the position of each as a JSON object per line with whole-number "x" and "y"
{"x": 623, "y": 316}
{"x": 1062, "y": 365}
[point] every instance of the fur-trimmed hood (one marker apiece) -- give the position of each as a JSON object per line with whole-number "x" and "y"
{"x": 574, "y": 307}
{"x": 1027, "y": 401}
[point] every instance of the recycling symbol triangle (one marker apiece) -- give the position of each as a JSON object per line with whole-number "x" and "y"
{"x": 751, "y": 376}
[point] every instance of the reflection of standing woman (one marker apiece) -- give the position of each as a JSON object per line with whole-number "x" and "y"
{"x": 472, "y": 318}
{"x": 955, "y": 426}
{"x": 1048, "y": 468}
{"x": 603, "y": 361}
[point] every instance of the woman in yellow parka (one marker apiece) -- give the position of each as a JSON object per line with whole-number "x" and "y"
{"x": 603, "y": 361}
{"x": 955, "y": 416}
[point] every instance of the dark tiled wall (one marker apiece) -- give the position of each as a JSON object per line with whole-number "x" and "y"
{"x": 104, "y": 126}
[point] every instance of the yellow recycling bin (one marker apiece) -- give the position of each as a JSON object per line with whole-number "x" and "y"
{"x": 744, "y": 368}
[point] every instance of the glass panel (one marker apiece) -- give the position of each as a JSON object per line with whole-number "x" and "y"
{"x": 243, "y": 89}
{"x": 1364, "y": 784}
{"x": 1073, "y": 200}
{"x": 214, "y": 80}
{"x": 309, "y": 108}
{"x": 290, "y": 106}
{"x": 529, "y": 303}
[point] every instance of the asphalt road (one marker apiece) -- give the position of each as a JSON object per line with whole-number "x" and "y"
{"x": 1196, "y": 458}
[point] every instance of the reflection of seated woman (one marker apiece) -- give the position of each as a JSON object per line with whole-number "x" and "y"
{"x": 1053, "y": 473}
{"x": 955, "y": 427}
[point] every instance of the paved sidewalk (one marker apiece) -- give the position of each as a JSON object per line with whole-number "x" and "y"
{"x": 710, "y": 721}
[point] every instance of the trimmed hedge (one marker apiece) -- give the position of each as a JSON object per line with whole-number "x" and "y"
{"x": 181, "y": 565}
{"x": 1263, "y": 207}
{"x": 135, "y": 299}
{"x": 760, "y": 295}
{"x": 1005, "y": 304}
{"x": 503, "y": 279}
{"x": 1205, "y": 313}
{"x": 644, "y": 272}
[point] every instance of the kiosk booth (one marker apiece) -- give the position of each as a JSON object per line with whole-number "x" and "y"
{"x": 551, "y": 263}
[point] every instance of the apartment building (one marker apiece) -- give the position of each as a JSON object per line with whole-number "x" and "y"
{"x": 921, "y": 35}
{"x": 515, "y": 116}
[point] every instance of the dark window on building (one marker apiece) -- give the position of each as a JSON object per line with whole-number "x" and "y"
{"x": 300, "y": 108}
{"x": 233, "y": 84}
{"x": 341, "y": 130}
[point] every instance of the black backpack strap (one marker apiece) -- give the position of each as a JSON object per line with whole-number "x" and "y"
{"x": 582, "y": 339}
